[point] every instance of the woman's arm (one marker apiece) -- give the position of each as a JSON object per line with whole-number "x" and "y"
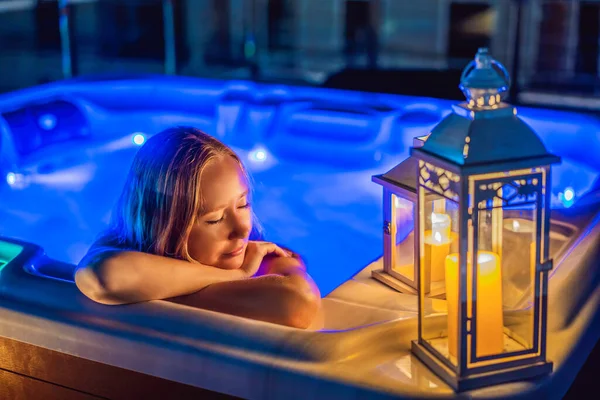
{"x": 111, "y": 275}
{"x": 116, "y": 276}
{"x": 286, "y": 300}
{"x": 121, "y": 277}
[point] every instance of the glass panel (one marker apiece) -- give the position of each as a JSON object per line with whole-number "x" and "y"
{"x": 113, "y": 36}
{"x": 439, "y": 233}
{"x": 405, "y": 239}
{"x": 505, "y": 239}
{"x": 30, "y": 44}
{"x": 231, "y": 42}
{"x": 519, "y": 228}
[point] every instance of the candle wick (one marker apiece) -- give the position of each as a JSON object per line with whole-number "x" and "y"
{"x": 516, "y": 226}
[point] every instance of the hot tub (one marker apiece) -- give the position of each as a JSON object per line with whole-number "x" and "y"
{"x": 66, "y": 148}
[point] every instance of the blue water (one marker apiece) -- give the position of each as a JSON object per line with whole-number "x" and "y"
{"x": 311, "y": 153}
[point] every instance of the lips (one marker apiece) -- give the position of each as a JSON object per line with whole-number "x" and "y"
{"x": 235, "y": 252}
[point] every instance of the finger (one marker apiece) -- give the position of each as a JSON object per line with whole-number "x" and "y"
{"x": 253, "y": 266}
{"x": 273, "y": 248}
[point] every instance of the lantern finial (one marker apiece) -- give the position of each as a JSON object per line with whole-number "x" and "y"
{"x": 483, "y": 85}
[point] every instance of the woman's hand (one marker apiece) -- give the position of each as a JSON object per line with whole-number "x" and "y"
{"x": 255, "y": 253}
{"x": 284, "y": 266}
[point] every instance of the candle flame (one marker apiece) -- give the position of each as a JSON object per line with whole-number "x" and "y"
{"x": 516, "y": 225}
{"x": 441, "y": 220}
{"x": 484, "y": 257}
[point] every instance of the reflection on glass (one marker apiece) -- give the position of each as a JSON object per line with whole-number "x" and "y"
{"x": 519, "y": 275}
{"x": 404, "y": 242}
{"x": 439, "y": 239}
{"x": 437, "y": 245}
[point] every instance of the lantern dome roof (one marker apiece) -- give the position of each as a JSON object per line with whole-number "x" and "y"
{"x": 485, "y": 133}
{"x": 484, "y": 81}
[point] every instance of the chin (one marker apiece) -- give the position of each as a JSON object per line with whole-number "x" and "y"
{"x": 231, "y": 264}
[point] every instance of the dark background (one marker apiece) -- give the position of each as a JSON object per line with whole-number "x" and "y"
{"x": 399, "y": 46}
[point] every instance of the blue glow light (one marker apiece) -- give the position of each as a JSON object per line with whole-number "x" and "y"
{"x": 258, "y": 155}
{"x": 321, "y": 200}
{"x": 567, "y": 197}
{"x": 569, "y": 194}
{"x": 11, "y": 178}
{"x": 47, "y": 122}
{"x": 139, "y": 138}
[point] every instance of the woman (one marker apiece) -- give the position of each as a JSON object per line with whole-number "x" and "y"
{"x": 183, "y": 230}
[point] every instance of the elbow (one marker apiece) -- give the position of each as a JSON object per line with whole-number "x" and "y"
{"x": 94, "y": 281}
{"x": 302, "y": 307}
{"x": 88, "y": 283}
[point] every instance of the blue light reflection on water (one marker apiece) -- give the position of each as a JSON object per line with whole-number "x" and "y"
{"x": 320, "y": 201}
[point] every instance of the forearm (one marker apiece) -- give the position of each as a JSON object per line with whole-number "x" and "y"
{"x": 271, "y": 298}
{"x": 130, "y": 277}
{"x": 292, "y": 268}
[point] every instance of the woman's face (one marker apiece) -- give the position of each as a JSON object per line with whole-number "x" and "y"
{"x": 220, "y": 234}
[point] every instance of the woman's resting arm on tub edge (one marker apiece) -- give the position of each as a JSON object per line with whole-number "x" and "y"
{"x": 291, "y": 300}
{"x": 289, "y": 297}
{"x": 281, "y": 292}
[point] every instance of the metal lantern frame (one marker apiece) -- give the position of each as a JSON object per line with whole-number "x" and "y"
{"x": 470, "y": 186}
{"x": 485, "y": 161}
{"x": 398, "y": 182}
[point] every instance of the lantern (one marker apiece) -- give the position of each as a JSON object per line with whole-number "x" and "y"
{"x": 482, "y": 183}
{"x": 399, "y": 199}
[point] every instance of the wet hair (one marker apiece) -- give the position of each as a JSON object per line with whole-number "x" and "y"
{"x": 161, "y": 199}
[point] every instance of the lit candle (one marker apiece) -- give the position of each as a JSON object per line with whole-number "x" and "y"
{"x": 437, "y": 245}
{"x": 490, "y": 326}
{"x": 519, "y": 225}
{"x": 520, "y": 231}
{"x": 440, "y": 225}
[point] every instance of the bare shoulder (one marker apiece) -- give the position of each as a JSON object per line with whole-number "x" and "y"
{"x": 105, "y": 246}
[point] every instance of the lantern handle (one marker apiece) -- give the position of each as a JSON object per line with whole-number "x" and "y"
{"x": 473, "y": 64}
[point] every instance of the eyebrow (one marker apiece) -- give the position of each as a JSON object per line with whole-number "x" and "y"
{"x": 204, "y": 212}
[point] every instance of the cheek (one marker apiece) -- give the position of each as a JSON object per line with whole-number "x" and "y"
{"x": 204, "y": 244}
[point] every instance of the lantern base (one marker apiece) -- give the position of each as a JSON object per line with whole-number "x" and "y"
{"x": 479, "y": 380}
{"x": 394, "y": 283}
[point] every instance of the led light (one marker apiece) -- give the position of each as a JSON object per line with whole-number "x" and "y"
{"x": 139, "y": 138}
{"x": 569, "y": 194}
{"x": 258, "y": 155}
{"x": 16, "y": 180}
{"x": 47, "y": 122}
{"x": 11, "y": 178}
{"x": 567, "y": 197}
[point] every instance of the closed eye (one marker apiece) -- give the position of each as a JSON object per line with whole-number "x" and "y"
{"x": 215, "y": 221}
{"x": 247, "y": 205}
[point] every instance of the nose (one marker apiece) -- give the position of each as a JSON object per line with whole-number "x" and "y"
{"x": 241, "y": 226}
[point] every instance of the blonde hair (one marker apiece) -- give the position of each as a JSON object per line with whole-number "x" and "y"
{"x": 161, "y": 198}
